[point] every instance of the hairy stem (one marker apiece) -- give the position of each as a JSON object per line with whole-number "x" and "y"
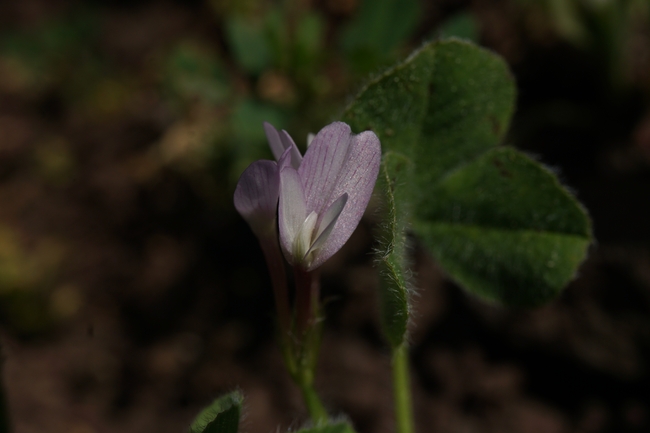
{"x": 307, "y": 335}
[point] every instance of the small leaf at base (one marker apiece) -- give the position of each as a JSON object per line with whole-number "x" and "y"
{"x": 221, "y": 416}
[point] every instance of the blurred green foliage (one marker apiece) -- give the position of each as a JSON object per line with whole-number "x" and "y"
{"x": 31, "y": 299}
{"x": 462, "y": 25}
{"x": 367, "y": 41}
{"x": 609, "y": 29}
{"x": 46, "y": 55}
{"x": 249, "y": 44}
{"x": 194, "y": 72}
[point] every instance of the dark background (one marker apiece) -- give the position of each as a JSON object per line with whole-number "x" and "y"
{"x": 132, "y": 294}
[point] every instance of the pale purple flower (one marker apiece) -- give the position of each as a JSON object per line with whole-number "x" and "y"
{"x": 324, "y": 195}
{"x": 256, "y": 197}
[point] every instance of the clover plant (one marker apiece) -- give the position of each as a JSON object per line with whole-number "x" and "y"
{"x": 427, "y": 135}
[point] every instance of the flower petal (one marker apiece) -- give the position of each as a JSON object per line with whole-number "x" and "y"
{"x": 256, "y": 195}
{"x": 279, "y": 142}
{"x": 328, "y": 222}
{"x": 356, "y": 178}
{"x": 275, "y": 142}
{"x": 302, "y": 244}
{"x": 285, "y": 160}
{"x": 292, "y": 211}
{"x": 310, "y": 138}
{"x": 287, "y": 142}
{"x": 321, "y": 166}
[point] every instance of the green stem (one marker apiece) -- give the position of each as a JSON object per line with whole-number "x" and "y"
{"x": 307, "y": 333}
{"x": 402, "y": 390}
{"x": 317, "y": 411}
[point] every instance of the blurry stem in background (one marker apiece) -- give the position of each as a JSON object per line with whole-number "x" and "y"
{"x": 402, "y": 389}
{"x": 275, "y": 263}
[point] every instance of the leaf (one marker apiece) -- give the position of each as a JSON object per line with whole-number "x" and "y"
{"x": 504, "y": 228}
{"x": 336, "y": 427}
{"x": 391, "y": 257}
{"x": 498, "y": 222}
{"x": 393, "y": 105}
{"x": 222, "y": 416}
{"x": 471, "y": 102}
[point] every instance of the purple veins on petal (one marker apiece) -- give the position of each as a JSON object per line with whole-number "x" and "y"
{"x": 356, "y": 177}
{"x": 256, "y": 196}
{"x": 323, "y": 162}
{"x": 332, "y": 186}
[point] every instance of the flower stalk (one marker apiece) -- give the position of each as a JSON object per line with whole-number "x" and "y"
{"x": 307, "y": 332}
{"x": 307, "y": 294}
{"x": 306, "y": 208}
{"x": 275, "y": 264}
{"x": 402, "y": 389}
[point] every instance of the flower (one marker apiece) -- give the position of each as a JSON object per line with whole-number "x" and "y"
{"x": 322, "y": 196}
{"x": 322, "y": 199}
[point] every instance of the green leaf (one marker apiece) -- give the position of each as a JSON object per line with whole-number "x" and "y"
{"x": 394, "y": 104}
{"x": 504, "y": 228}
{"x": 498, "y": 222}
{"x": 391, "y": 256}
{"x": 471, "y": 101}
{"x": 335, "y": 427}
{"x": 222, "y": 416}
